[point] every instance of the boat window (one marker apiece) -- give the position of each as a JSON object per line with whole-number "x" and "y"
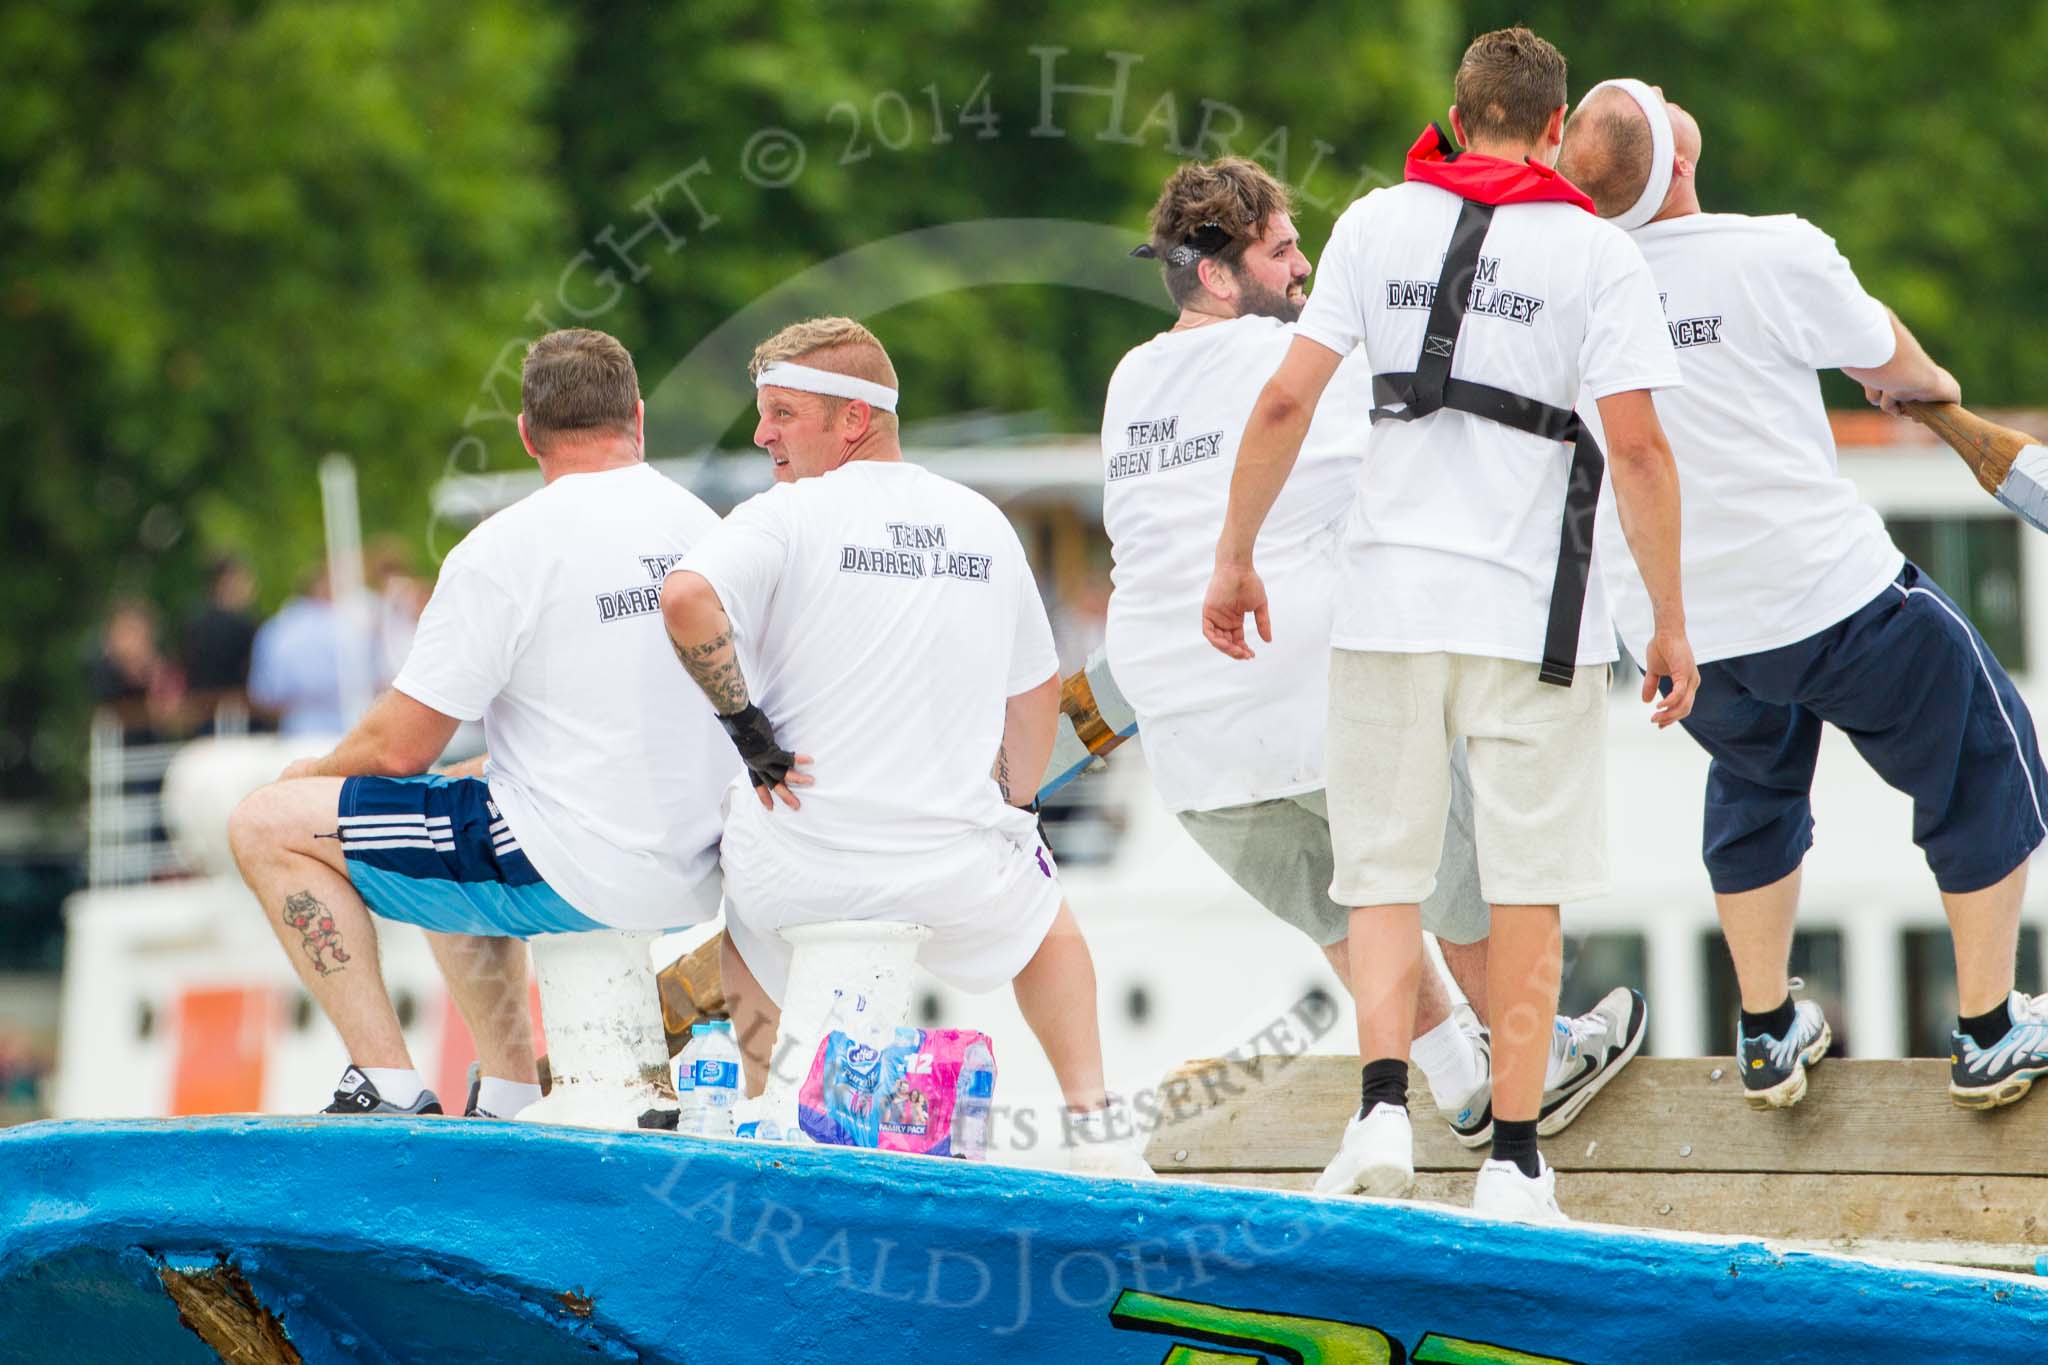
{"x": 1928, "y": 963}
{"x": 1817, "y": 957}
{"x": 1976, "y": 560}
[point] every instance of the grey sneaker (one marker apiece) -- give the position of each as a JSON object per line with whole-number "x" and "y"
{"x": 1472, "y": 1121}
{"x": 357, "y": 1095}
{"x": 1774, "y": 1069}
{"x": 1592, "y": 1049}
{"x": 1987, "y": 1077}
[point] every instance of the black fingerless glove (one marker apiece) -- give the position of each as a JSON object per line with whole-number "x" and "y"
{"x": 768, "y": 763}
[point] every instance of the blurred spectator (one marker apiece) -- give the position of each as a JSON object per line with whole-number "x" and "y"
{"x": 218, "y": 640}
{"x": 398, "y": 598}
{"x": 132, "y": 679}
{"x": 295, "y": 664}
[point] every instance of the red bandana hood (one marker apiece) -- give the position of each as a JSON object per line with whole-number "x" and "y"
{"x": 1433, "y": 160}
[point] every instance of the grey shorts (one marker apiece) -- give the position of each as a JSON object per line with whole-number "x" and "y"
{"x": 1279, "y": 852}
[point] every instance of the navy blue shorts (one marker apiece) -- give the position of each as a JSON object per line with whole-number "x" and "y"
{"x": 436, "y": 852}
{"x": 1913, "y": 685}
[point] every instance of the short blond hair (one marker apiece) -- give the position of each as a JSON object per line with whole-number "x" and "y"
{"x": 840, "y": 345}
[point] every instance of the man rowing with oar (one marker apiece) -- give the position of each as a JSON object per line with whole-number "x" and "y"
{"x": 1803, "y": 612}
{"x": 1236, "y": 746}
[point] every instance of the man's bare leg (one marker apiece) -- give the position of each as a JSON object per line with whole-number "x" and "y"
{"x": 1056, "y": 994}
{"x": 1986, "y": 927}
{"x": 487, "y": 979}
{"x": 1758, "y": 928}
{"x": 1432, "y": 1002}
{"x": 755, "y": 1018}
{"x": 1467, "y": 965}
{"x": 1523, "y": 976}
{"x": 1387, "y": 971}
{"x": 299, "y": 879}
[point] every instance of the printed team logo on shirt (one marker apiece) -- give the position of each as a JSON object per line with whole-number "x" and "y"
{"x": 915, "y": 550}
{"x": 1699, "y": 331}
{"x": 623, "y": 603}
{"x": 1488, "y": 298}
{"x": 1155, "y": 446}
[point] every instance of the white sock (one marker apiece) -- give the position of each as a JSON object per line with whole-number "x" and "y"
{"x": 1561, "y": 1058}
{"x": 1448, "y": 1059}
{"x": 399, "y": 1087}
{"x": 504, "y": 1099}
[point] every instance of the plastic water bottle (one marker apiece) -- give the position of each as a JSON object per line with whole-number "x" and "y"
{"x": 973, "y": 1097}
{"x": 715, "y": 1073}
{"x": 687, "y": 1105}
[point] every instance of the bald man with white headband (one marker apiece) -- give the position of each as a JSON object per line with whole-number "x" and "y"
{"x": 1801, "y": 611}
{"x": 872, "y": 638}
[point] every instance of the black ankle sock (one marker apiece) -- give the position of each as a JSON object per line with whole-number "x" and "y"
{"x": 1987, "y": 1029}
{"x": 1383, "y": 1082}
{"x": 1515, "y": 1140}
{"x": 1777, "y": 1022}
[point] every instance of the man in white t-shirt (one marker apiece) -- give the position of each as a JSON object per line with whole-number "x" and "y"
{"x": 1236, "y": 747}
{"x": 1490, "y": 302}
{"x": 597, "y": 804}
{"x": 1803, "y": 612}
{"x": 872, "y": 638}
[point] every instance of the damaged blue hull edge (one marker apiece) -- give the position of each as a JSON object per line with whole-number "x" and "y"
{"x": 452, "y": 1241}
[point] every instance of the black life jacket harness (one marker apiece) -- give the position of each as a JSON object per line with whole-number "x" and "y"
{"x": 1429, "y": 387}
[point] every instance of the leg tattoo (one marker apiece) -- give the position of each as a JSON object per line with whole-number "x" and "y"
{"x": 315, "y": 923}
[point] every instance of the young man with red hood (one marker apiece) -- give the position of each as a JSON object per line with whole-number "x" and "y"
{"x": 1490, "y": 300}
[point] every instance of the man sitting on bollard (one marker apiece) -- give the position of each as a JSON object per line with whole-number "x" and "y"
{"x": 883, "y": 621}
{"x": 598, "y": 804}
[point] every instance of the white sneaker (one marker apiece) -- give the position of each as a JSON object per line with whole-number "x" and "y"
{"x": 1376, "y": 1157}
{"x": 1099, "y": 1146}
{"x": 1502, "y": 1191}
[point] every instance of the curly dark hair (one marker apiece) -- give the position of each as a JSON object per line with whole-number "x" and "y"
{"x": 1217, "y": 207}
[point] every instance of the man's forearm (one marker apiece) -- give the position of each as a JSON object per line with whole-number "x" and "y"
{"x": 1646, "y": 497}
{"x": 1265, "y": 457}
{"x": 1910, "y": 374}
{"x": 701, "y": 635}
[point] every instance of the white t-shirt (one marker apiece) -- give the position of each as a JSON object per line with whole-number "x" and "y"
{"x": 883, "y": 618}
{"x": 1776, "y": 544}
{"x": 1453, "y": 540}
{"x": 605, "y": 760}
{"x": 1222, "y": 732}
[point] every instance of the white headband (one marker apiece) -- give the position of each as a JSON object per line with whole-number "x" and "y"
{"x": 785, "y": 375}
{"x": 1663, "y": 150}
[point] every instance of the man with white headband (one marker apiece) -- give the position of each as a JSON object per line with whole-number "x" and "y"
{"x": 871, "y": 637}
{"x": 1236, "y": 747}
{"x": 1802, "y": 612}
{"x": 1493, "y": 307}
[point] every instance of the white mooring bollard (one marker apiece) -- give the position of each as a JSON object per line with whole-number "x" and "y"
{"x": 602, "y": 1015}
{"x": 857, "y": 957}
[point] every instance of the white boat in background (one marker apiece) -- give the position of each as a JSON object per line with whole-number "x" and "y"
{"x": 176, "y": 999}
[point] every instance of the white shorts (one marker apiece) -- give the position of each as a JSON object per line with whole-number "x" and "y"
{"x": 1537, "y": 755}
{"x": 989, "y": 897}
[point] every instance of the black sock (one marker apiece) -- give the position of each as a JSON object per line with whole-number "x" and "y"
{"x": 1987, "y": 1029}
{"x": 1515, "y": 1140}
{"x": 1777, "y": 1022}
{"x": 1383, "y": 1082}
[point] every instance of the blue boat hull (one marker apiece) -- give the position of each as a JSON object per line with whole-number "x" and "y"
{"x": 453, "y": 1241}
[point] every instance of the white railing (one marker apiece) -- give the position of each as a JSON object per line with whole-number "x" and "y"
{"x": 127, "y": 835}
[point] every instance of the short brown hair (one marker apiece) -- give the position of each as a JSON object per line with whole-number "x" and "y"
{"x": 1508, "y": 85}
{"x": 577, "y": 382}
{"x": 1607, "y": 152}
{"x": 1230, "y": 193}
{"x": 837, "y": 344}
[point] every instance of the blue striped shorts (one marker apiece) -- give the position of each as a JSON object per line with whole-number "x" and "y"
{"x": 436, "y": 852}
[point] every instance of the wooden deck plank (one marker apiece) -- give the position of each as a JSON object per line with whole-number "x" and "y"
{"x": 1661, "y": 1114}
{"x": 2004, "y": 1218}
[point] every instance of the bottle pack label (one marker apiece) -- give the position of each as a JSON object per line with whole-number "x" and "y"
{"x": 710, "y": 1075}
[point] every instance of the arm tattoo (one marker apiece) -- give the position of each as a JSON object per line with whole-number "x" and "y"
{"x": 315, "y": 923}
{"x": 1001, "y": 772}
{"x": 715, "y": 667}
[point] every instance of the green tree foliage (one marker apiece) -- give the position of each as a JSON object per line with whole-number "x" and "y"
{"x": 239, "y": 235}
{"x": 236, "y": 237}
{"x": 1913, "y": 136}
